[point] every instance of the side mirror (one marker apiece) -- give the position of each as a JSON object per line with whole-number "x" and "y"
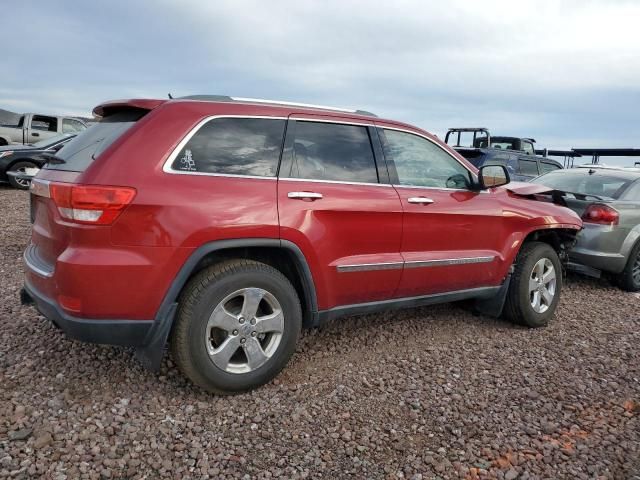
{"x": 493, "y": 176}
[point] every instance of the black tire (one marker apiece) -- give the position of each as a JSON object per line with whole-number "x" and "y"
{"x": 518, "y": 308}
{"x": 16, "y": 167}
{"x": 626, "y": 280}
{"x": 198, "y": 301}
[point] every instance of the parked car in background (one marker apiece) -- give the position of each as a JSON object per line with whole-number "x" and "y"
{"x": 227, "y": 224}
{"x": 517, "y": 154}
{"x": 608, "y": 200}
{"x": 18, "y": 162}
{"x": 32, "y": 128}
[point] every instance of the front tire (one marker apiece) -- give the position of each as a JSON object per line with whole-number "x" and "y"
{"x": 629, "y": 279}
{"x": 237, "y": 326}
{"x": 535, "y": 286}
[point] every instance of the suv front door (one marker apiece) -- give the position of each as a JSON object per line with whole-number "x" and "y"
{"x": 451, "y": 234}
{"x": 336, "y": 204}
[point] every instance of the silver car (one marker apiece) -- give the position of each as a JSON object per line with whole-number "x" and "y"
{"x": 608, "y": 200}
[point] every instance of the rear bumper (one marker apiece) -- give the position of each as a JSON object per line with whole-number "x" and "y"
{"x": 607, "y": 262}
{"x": 131, "y": 333}
{"x": 600, "y": 247}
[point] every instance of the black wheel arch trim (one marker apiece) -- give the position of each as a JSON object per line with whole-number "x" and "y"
{"x": 150, "y": 355}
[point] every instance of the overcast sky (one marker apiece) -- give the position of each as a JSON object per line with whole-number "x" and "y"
{"x": 564, "y": 72}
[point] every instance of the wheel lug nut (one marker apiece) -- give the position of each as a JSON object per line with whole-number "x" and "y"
{"x": 241, "y": 319}
{"x": 253, "y": 321}
{"x": 242, "y": 340}
{"x": 253, "y": 334}
{"x": 235, "y": 332}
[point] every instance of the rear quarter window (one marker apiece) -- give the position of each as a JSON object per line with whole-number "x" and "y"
{"x": 233, "y": 146}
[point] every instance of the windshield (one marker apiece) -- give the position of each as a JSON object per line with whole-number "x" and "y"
{"x": 48, "y": 142}
{"x": 601, "y": 185}
{"x": 78, "y": 154}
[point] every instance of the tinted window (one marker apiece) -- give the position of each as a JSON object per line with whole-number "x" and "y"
{"x": 420, "y": 162}
{"x": 330, "y": 151}
{"x": 529, "y": 167}
{"x": 234, "y": 146}
{"x": 546, "y": 167}
{"x": 78, "y": 154}
{"x": 605, "y": 185}
{"x": 40, "y": 122}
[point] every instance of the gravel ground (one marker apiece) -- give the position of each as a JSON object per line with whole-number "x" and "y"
{"x": 425, "y": 393}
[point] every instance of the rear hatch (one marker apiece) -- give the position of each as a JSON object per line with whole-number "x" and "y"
{"x": 64, "y": 211}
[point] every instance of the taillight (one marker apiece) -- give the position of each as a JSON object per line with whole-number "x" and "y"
{"x": 601, "y": 214}
{"x": 90, "y": 204}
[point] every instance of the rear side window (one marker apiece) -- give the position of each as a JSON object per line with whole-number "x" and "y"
{"x": 529, "y": 167}
{"x": 331, "y": 151}
{"x": 233, "y": 146}
{"x": 78, "y": 154}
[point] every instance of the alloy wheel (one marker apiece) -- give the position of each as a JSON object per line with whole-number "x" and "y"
{"x": 244, "y": 330}
{"x": 542, "y": 285}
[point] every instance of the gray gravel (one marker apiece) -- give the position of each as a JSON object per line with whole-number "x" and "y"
{"x": 424, "y": 393}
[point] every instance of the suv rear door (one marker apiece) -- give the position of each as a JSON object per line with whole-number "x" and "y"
{"x": 451, "y": 234}
{"x": 336, "y": 205}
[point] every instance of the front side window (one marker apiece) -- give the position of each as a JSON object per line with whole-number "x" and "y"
{"x": 332, "y": 151}
{"x": 529, "y": 167}
{"x": 233, "y": 146}
{"x": 422, "y": 163}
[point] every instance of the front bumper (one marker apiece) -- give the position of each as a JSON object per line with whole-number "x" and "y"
{"x": 132, "y": 333}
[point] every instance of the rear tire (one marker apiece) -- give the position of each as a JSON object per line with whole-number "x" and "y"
{"x": 629, "y": 279}
{"x": 535, "y": 286}
{"x": 216, "y": 346}
{"x": 20, "y": 167}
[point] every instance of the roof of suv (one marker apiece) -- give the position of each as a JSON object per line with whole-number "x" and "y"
{"x": 149, "y": 104}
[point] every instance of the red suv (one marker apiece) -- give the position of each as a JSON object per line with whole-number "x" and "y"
{"x": 223, "y": 225}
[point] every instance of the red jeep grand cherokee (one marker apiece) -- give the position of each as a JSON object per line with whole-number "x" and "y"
{"x": 224, "y": 225}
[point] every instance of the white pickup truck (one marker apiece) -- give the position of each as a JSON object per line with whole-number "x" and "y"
{"x": 32, "y": 127}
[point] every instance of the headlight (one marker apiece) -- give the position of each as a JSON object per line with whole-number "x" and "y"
{"x": 4, "y": 154}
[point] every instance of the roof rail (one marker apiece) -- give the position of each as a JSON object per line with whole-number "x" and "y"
{"x": 226, "y": 98}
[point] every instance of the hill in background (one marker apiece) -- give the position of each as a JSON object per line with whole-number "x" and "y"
{"x": 8, "y": 118}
